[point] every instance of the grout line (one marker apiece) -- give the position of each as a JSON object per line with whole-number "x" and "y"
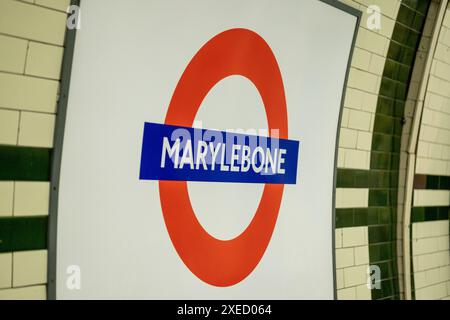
{"x": 17, "y": 132}
{"x": 29, "y": 75}
{"x": 26, "y": 58}
{"x": 432, "y": 285}
{"x": 34, "y": 4}
{"x": 31, "y": 40}
{"x": 38, "y": 41}
{"x": 14, "y": 198}
{"x": 18, "y": 128}
{"x": 27, "y": 110}
{"x": 12, "y": 266}
{"x": 13, "y": 209}
{"x": 26, "y": 286}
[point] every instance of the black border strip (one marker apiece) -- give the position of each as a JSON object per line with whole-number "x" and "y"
{"x": 346, "y": 8}
{"x": 58, "y": 139}
{"x": 358, "y": 14}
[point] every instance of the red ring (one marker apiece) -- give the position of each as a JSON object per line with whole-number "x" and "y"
{"x": 218, "y": 262}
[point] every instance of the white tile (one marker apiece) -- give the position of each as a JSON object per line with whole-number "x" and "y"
{"x": 344, "y": 258}
{"x": 356, "y": 236}
{"x": 26, "y": 293}
{"x": 428, "y": 198}
{"x": 362, "y": 255}
{"x": 55, "y": 4}
{"x": 28, "y": 93}
{"x": 32, "y": 22}
{"x": 355, "y": 276}
{"x": 44, "y": 60}
{"x": 12, "y": 54}
{"x": 6, "y": 198}
{"x": 5, "y": 270}
{"x": 347, "y": 294}
{"x": 359, "y": 120}
{"x": 36, "y": 130}
{"x": 424, "y": 246}
{"x": 31, "y": 198}
{"x": 338, "y": 238}
{"x": 348, "y": 138}
{"x": 9, "y": 126}
{"x": 356, "y": 159}
{"x": 364, "y": 140}
{"x": 340, "y": 278}
{"x": 29, "y": 268}
{"x": 363, "y": 292}
{"x": 352, "y": 198}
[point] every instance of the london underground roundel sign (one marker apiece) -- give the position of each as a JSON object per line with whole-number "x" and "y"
{"x": 218, "y": 262}
{"x": 151, "y": 204}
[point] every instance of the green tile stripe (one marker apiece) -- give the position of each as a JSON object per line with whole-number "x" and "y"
{"x": 24, "y": 164}
{"x": 421, "y": 214}
{"x": 382, "y": 179}
{"x": 430, "y": 213}
{"x": 432, "y": 182}
{"x": 23, "y": 233}
{"x": 352, "y": 178}
{"x": 419, "y": 6}
{"x": 386, "y": 142}
{"x": 359, "y": 217}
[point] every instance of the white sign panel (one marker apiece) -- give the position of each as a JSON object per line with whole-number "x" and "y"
{"x": 199, "y": 150}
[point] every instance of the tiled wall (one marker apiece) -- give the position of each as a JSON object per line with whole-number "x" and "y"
{"x": 371, "y": 132}
{"x": 431, "y": 260}
{"x": 431, "y": 199}
{"x": 31, "y": 48}
{"x": 352, "y": 263}
{"x": 364, "y": 85}
{"x": 433, "y": 153}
